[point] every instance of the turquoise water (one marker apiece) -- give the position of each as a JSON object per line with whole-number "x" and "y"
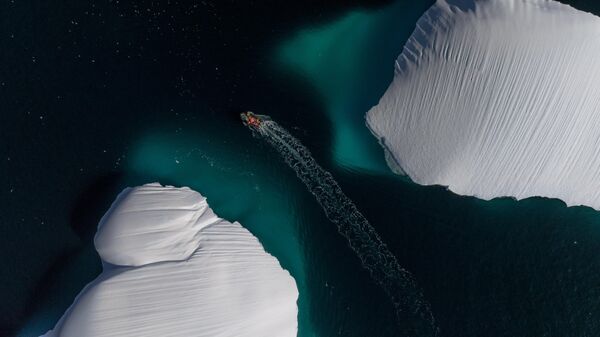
{"x": 350, "y": 63}
{"x": 268, "y": 208}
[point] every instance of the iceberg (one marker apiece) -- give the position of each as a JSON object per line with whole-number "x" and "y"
{"x": 497, "y": 98}
{"x": 174, "y": 268}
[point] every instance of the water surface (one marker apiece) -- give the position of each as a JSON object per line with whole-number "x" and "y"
{"x": 165, "y": 108}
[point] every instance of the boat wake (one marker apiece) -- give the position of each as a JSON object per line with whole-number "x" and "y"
{"x": 412, "y": 311}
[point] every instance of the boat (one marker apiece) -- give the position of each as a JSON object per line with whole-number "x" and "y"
{"x": 250, "y": 119}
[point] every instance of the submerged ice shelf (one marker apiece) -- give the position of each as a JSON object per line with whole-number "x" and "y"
{"x": 497, "y": 98}
{"x": 173, "y": 268}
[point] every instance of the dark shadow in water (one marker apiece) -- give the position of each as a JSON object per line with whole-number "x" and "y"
{"x": 92, "y": 203}
{"x": 59, "y": 285}
{"x": 62, "y": 281}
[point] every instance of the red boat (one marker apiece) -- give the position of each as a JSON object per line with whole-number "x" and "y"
{"x": 250, "y": 119}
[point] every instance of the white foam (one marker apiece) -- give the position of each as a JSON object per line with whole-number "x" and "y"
{"x": 498, "y": 98}
{"x": 199, "y": 276}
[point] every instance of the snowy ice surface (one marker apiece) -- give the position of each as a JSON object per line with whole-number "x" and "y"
{"x": 173, "y": 268}
{"x": 498, "y": 98}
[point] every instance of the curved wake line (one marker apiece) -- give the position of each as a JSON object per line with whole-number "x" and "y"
{"x": 412, "y": 311}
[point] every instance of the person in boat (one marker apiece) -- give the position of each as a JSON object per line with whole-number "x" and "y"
{"x": 252, "y": 120}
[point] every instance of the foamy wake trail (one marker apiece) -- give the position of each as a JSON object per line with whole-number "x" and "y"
{"x": 412, "y": 311}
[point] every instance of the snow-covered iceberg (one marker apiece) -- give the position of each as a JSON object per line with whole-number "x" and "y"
{"x": 498, "y": 98}
{"x": 173, "y": 268}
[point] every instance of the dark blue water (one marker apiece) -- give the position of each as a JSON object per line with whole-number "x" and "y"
{"x": 99, "y": 96}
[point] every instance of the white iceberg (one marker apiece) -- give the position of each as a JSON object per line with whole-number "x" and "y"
{"x": 173, "y": 268}
{"x": 498, "y": 98}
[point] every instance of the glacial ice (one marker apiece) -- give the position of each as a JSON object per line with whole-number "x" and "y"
{"x": 497, "y": 98}
{"x": 173, "y": 268}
